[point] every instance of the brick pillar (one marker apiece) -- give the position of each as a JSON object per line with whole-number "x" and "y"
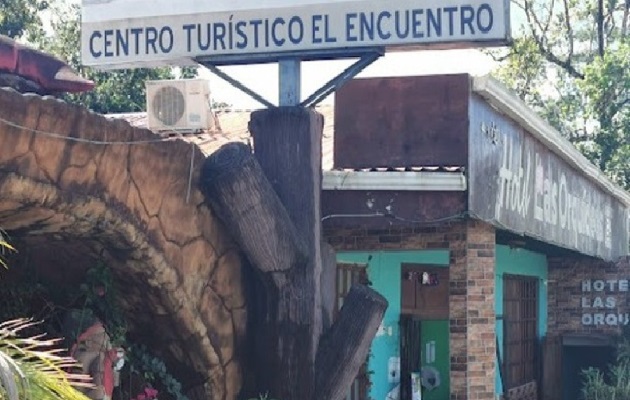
{"x": 458, "y": 305}
{"x": 472, "y": 313}
{"x": 480, "y": 254}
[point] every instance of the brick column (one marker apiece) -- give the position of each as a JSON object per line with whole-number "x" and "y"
{"x": 480, "y": 254}
{"x": 458, "y": 305}
{"x": 472, "y": 313}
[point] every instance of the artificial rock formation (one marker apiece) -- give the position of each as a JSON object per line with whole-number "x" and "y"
{"x": 73, "y": 189}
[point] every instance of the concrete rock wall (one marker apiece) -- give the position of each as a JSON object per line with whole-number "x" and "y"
{"x": 138, "y": 205}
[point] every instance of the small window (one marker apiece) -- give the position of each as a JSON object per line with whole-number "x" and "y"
{"x": 347, "y": 275}
{"x": 424, "y": 291}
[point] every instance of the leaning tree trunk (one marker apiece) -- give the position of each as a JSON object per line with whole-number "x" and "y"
{"x": 271, "y": 206}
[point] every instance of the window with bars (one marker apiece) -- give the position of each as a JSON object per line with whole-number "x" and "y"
{"x": 520, "y": 329}
{"x": 347, "y": 275}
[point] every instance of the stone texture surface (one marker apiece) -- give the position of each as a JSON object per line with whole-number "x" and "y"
{"x": 138, "y": 206}
{"x": 471, "y": 293}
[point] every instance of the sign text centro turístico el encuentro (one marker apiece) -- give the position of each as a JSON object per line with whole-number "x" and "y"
{"x": 127, "y": 33}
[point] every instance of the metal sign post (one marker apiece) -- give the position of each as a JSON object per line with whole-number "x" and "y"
{"x": 290, "y": 76}
{"x": 289, "y": 90}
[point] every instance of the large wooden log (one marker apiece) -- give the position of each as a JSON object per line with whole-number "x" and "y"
{"x": 277, "y": 222}
{"x": 242, "y": 197}
{"x": 344, "y": 348}
{"x": 287, "y": 144}
{"x": 328, "y": 284}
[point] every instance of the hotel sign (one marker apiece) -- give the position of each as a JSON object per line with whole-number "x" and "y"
{"x": 600, "y": 302}
{"x": 129, "y": 33}
{"x": 521, "y": 186}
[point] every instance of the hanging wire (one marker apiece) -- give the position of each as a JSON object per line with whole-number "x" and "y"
{"x": 82, "y": 140}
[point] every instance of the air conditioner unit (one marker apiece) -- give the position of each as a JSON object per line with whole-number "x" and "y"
{"x": 178, "y": 105}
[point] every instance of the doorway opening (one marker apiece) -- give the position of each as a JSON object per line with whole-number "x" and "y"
{"x": 424, "y": 332}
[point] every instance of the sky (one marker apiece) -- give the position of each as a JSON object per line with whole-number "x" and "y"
{"x": 263, "y": 79}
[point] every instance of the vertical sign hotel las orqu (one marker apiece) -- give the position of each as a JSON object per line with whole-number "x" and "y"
{"x": 128, "y": 33}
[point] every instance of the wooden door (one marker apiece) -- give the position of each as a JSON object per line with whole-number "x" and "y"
{"x": 425, "y": 301}
{"x": 552, "y": 368}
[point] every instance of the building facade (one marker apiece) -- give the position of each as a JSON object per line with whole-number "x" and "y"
{"x": 495, "y": 242}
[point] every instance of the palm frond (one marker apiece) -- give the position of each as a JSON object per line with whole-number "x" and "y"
{"x": 4, "y": 247}
{"x": 34, "y": 367}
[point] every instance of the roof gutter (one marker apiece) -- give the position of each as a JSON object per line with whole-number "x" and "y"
{"x": 510, "y": 105}
{"x": 395, "y": 180}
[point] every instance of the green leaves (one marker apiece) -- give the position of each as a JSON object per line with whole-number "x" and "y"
{"x": 117, "y": 91}
{"x": 17, "y": 17}
{"x": 33, "y": 367}
{"x": 556, "y": 68}
{"x": 4, "y": 248}
{"x": 154, "y": 370}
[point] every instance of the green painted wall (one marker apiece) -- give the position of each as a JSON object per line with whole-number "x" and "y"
{"x": 518, "y": 261}
{"x": 384, "y": 269}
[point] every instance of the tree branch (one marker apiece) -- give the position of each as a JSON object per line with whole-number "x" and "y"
{"x": 600, "y": 27}
{"x": 567, "y": 18}
{"x": 626, "y": 13}
{"x": 566, "y": 64}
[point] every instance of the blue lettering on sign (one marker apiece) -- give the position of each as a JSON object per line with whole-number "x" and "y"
{"x": 434, "y": 20}
{"x": 240, "y": 32}
{"x": 219, "y": 35}
{"x": 366, "y": 26}
{"x": 401, "y": 21}
{"x": 122, "y": 43}
{"x": 451, "y": 21}
{"x": 296, "y": 30}
{"x": 328, "y": 38}
{"x": 188, "y": 28}
{"x": 274, "y": 32}
{"x": 417, "y": 23}
{"x": 228, "y": 32}
{"x": 382, "y": 33}
{"x": 487, "y": 27}
{"x": 94, "y": 52}
{"x": 467, "y": 17}
{"x": 256, "y": 24}
{"x": 136, "y": 32}
{"x": 350, "y": 25}
{"x": 317, "y": 19}
{"x": 108, "y": 42}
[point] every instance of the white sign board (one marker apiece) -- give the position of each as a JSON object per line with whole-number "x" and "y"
{"x": 135, "y": 33}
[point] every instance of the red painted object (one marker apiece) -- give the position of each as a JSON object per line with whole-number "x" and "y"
{"x": 52, "y": 74}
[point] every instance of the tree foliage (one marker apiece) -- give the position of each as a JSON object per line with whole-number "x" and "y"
{"x": 571, "y": 62}
{"x": 17, "y": 17}
{"x": 116, "y": 91}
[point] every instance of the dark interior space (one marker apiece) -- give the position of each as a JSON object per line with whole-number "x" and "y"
{"x": 577, "y": 358}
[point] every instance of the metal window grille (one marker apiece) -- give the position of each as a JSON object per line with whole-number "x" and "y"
{"x": 520, "y": 334}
